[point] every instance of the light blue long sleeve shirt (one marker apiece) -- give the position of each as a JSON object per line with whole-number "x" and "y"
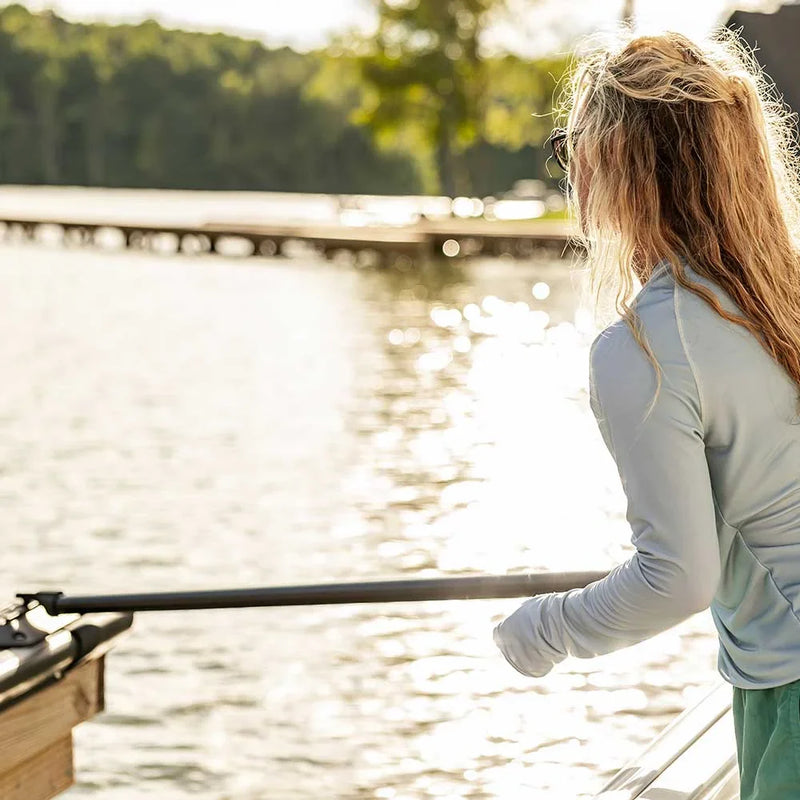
{"x": 712, "y": 480}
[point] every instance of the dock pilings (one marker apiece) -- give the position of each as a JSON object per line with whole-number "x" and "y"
{"x": 379, "y": 245}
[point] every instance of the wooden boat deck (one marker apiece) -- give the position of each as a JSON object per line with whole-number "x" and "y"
{"x": 46, "y": 689}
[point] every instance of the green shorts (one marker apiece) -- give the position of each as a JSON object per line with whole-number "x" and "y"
{"x": 767, "y": 725}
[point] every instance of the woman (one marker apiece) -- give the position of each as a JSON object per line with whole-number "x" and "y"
{"x": 686, "y": 182}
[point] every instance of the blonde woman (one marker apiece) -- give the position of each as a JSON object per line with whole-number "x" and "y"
{"x": 686, "y": 181}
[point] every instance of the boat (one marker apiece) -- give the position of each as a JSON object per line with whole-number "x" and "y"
{"x": 693, "y": 758}
{"x": 52, "y": 652}
{"x": 51, "y": 679}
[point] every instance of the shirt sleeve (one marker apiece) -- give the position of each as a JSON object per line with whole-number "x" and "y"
{"x": 670, "y": 507}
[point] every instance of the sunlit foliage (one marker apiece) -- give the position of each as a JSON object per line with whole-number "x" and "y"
{"x": 144, "y": 106}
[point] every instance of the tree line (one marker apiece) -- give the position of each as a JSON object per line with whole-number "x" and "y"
{"x": 414, "y": 109}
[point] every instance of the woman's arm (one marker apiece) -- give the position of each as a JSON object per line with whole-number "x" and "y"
{"x": 661, "y": 461}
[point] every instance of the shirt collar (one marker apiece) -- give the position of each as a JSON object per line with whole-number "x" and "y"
{"x": 659, "y": 269}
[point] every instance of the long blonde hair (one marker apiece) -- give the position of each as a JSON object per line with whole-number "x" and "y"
{"x": 692, "y": 156}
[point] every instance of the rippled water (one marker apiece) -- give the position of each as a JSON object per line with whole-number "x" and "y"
{"x": 178, "y": 422}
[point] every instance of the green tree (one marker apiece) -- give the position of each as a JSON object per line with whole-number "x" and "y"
{"x": 142, "y": 106}
{"x": 429, "y": 80}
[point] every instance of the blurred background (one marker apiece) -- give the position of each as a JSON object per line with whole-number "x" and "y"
{"x": 288, "y": 296}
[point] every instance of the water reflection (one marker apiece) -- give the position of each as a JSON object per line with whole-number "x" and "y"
{"x": 470, "y": 438}
{"x": 203, "y": 423}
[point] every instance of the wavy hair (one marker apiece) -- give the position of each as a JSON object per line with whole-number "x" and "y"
{"x": 692, "y": 155}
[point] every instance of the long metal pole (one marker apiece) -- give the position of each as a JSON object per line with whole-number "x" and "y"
{"x": 479, "y": 587}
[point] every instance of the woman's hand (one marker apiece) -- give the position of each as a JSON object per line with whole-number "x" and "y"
{"x": 515, "y": 637}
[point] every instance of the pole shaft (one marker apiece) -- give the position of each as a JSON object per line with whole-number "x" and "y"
{"x": 480, "y": 587}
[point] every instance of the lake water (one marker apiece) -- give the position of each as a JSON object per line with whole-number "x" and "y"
{"x": 176, "y": 422}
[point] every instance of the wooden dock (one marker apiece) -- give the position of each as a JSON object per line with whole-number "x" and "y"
{"x": 385, "y": 244}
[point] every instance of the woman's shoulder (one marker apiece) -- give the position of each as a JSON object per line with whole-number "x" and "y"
{"x": 664, "y": 308}
{"x": 655, "y": 316}
{"x": 615, "y": 352}
{"x": 617, "y": 360}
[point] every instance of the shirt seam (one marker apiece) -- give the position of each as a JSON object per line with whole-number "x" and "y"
{"x": 593, "y": 384}
{"x": 693, "y": 370}
{"x": 767, "y": 570}
{"x": 690, "y": 361}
